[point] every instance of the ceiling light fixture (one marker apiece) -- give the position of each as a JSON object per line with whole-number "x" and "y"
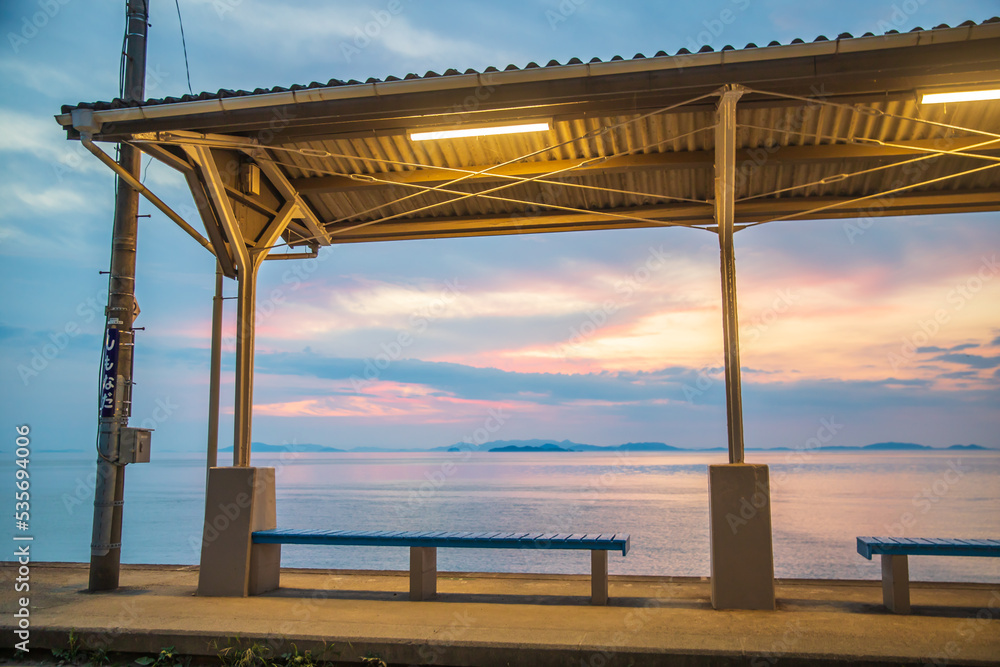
{"x": 480, "y": 131}
{"x": 960, "y": 96}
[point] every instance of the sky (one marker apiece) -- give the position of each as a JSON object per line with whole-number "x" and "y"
{"x": 853, "y": 334}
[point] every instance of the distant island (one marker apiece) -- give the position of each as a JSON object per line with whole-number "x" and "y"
{"x": 303, "y": 448}
{"x": 537, "y": 445}
{"x": 531, "y": 448}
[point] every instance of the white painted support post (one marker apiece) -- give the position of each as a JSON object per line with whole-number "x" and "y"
{"x": 599, "y": 577}
{"x": 896, "y": 583}
{"x": 423, "y": 573}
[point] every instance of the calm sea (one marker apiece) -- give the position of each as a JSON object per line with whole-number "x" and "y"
{"x": 821, "y": 502}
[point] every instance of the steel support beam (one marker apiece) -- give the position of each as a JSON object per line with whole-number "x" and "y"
{"x": 246, "y": 331}
{"x": 725, "y": 198}
{"x": 215, "y": 373}
{"x": 132, "y": 182}
{"x": 284, "y": 186}
{"x": 166, "y": 157}
{"x": 216, "y": 191}
{"x": 248, "y": 258}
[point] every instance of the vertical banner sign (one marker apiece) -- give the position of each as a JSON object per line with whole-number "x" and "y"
{"x": 109, "y": 372}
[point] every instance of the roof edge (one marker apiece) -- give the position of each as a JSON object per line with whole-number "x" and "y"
{"x": 159, "y": 110}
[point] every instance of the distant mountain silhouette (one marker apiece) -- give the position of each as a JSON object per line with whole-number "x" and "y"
{"x": 493, "y": 444}
{"x": 538, "y": 445}
{"x": 531, "y": 448}
{"x": 534, "y": 445}
{"x": 305, "y": 448}
{"x": 896, "y": 445}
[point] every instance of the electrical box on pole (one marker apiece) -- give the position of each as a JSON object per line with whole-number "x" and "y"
{"x": 133, "y": 445}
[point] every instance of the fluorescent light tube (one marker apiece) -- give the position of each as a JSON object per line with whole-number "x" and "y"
{"x": 478, "y": 131}
{"x": 960, "y": 96}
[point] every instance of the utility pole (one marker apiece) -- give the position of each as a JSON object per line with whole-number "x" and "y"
{"x": 116, "y": 390}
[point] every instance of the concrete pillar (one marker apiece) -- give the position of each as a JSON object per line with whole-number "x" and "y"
{"x": 598, "y": 577}
{"x": 739, "y": 498}
{"x": 423, "y": 573}
{"x": 238, "y": 502}
{"x": 896, "y": 583}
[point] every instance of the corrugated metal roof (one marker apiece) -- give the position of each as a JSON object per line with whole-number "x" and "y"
{"x": 118, "y": 103}
{"x": 827, "y": 129}
{"x": 636, "y": 188}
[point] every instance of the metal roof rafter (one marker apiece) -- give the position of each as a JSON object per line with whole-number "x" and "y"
{"x": 843, "y": 176}
{"x": 871, "y": 196}
{"x": 202, "y": 156}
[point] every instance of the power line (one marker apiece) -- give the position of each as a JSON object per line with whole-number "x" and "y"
{"x": 187, "y": 69}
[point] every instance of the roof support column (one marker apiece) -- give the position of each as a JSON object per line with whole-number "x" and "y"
{"x": 215, "y": 371}
{"x": 246, "y": 311}
{"x": 725, "y": 182}
{"x": 742, "y": 563}
{"x": 245, "y": 329}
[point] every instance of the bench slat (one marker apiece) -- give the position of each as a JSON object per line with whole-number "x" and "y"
{"x": 460, "y": 539}
{"x": 869, "y": 546}
{"x": 478, "y": 536}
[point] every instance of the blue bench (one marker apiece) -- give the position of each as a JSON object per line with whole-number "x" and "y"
{"x": 423, "y": 549}
{"x": 895, "y": 569}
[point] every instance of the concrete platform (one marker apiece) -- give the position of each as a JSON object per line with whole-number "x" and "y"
{"x": 506, "y": 619}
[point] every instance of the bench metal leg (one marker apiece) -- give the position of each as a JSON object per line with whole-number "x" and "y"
{"x": 599, "y": 577}
{"x": 896, "y": 583}
{"x": 423, "y": 573}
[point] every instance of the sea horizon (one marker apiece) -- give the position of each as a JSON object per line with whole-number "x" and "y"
{"x": 821, "y": 501}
